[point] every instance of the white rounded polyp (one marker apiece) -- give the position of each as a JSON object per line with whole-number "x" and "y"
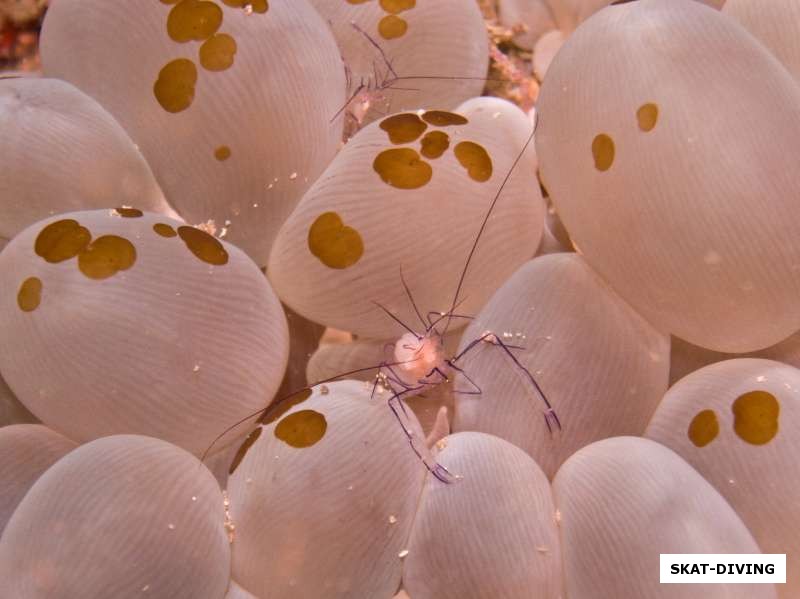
{"x": 26, "y": 451}
{"x": 694, "y": 219}
{"x": 774, "y": 23}
{"x": 622, "y": 502}
{"x": 329, "y": 519}
{"x": 425, "y": 231}
{"x": 173, "y": 347}
{"x": 62, "y": 151}
{"x": 490, "y": 534}
{"x": 601, "y": 366}
{"x": 272, "y": 109}
{"x": 757, "y": 480}
{"x": 122, "y": 517}
{"x": 440, "y": 61}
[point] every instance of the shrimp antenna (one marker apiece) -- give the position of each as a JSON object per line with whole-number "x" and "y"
{"x": 411, "y": 297}
{"x": 486, "y": 220}
{"x": 368, "y": 37}
{"x": 276, "y": 403}
{"x": 397, "y": 320}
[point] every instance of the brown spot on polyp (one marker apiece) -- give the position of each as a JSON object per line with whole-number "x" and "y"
{"x": 61, "y": 240}
{"x": 397, "y": 6}
{"x": 194, "y": 20}
{"x": 206, "y": 247}
{"x": 647, "y": 117}
{"x": 434, "y": 144}
{"x": 392, "y": 27}
{"x": 164, "y": 230}
{"x": 703, "y": 428}
{"x": 106, "y": 256}
{"x": 30, "y": 294}
{"x": 334, "y": 243}
{"x": 403, "y": 128}
{"x": 475, "y": 159}
{"x": 217, "y": 52}
{"x": 402, "y": 168}
{"x": 302, "y": 429}
{"x": 442, "y": 118}
{"x": 603, "y": 152}
{"x": 755, "y": 417}
{"x": 129, "y": 212}
{"x": 222, "y": 153}
{"x": 174, "y": 88}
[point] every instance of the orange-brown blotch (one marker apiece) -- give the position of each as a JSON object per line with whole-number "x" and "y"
{"x": 61, "y": 240}
{"x": 334, "y": 243}
{"x": 402, "y": 168}
{"x": 194, "y": 20}
{"x": 302, "y": 429}
{"x": 755, "y": 417}
{"x": 106, "y": 256}
{"x": 475, "y": 159}
{"x": 703, "y": 428}
{"x": 174, "y": 89}
{"x": 29, "y": 295}
{"x": 206, "y": 247}
{"x": 403, "y": 128}
{"x": 434, "y": 144}
{"x": 443, "y": 118}
{"x": 391, "y": 27}
{"x": 603, "y": 152}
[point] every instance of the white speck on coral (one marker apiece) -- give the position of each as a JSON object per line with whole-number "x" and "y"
{"x": 392, "y": 520}
{"x": 403, "y": 553}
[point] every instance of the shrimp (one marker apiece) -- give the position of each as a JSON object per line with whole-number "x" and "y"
{"x": 418, "y": 362}
{"x": 371, "y": 90}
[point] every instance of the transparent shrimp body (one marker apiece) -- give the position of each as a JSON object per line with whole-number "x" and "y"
{"x": 421, "y": 362}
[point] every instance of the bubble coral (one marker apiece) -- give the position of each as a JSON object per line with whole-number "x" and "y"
{"x": 625, "y": 500}
{"x": 330, "y": 518}
{"x": 61, "y": 152}
{"x": 131, "y": 322}
{"x": 687, "y": 165}
{"x": 230, "y": 106}
{"x": 406, "y": 54}
{"x": 392, "y": 174}
{"x": 156, "y": 529}
{"x": 603, "y": 368}
{"x": 544, "y": 25}
{"x": 26, "y": 452}
{"x": 773, "y": 22}
{"x": 465, "y": 542}
{"x": 737, "y": 423}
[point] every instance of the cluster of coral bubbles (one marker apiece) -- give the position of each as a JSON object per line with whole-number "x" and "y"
{"x": 186, "y": 239}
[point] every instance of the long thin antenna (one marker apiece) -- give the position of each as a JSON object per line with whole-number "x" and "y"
{"x": 276, "y": 403}
{"x": 486, "y": 220}
{"x": 411, "y": 297}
